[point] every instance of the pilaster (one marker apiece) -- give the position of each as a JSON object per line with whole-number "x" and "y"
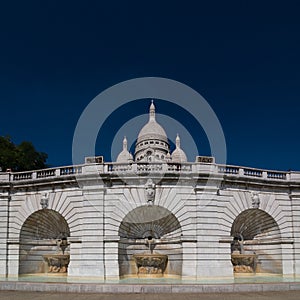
{"x": 295, "y": 202}
{"x": 4, "y": 215}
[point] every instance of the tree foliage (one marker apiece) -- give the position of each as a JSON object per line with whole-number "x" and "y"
{"x": 22, "y": 157}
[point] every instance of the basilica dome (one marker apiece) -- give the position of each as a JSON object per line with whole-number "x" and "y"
{"x": 152, "y": 130}
{"x": 152, "y": 142}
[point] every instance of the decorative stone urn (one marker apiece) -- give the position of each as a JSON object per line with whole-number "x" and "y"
{"x": 57, "y": 263}
{"x": 150, "y": 265}
{"x": 244, "y": 263}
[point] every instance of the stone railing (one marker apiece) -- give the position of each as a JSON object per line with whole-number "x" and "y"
{"x": 277, "y": 175}
{"x": 251, "y": 172}
{"x": 173, "y": 167}
{"x": 73, "y": 170}
{"x": 46, "y": 173}
{"x": 228, "y": 170}
{"x": 141, "y": 168}
{"x": 147, "y": 167}
{"x": 22, "y": 176}
{"x": 118, "y": 167}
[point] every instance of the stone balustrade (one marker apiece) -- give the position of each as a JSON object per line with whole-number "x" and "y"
{"x": 259, "y": 173}
{"x": 45, "y": 173}
{"x": 141, "y": 168}
{"x": 22, "y": 176}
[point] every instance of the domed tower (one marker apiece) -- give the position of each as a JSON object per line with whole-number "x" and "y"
{"x": 178, "y": 155}
{"x": 152, "y": 142}
{"x": 124, "y": 156}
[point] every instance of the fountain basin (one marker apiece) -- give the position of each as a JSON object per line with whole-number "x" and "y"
{"x": 244, "y": 263}
{"x": 150, "y": 265}
{"x": 57, "y": 263}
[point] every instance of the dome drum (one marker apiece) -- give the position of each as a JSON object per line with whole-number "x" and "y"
{"x": 151, "y": 155}
{"x": 154, "y": 144}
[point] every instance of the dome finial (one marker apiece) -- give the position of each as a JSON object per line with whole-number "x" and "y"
{"x": 124, "y": 143}
{"x": 177, "y": 141}
{"x": 152, "y": 111}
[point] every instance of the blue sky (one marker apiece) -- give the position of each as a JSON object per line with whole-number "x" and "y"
{"x": 241, "y": 56}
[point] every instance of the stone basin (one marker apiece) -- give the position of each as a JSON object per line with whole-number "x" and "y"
{"x": 150, "y": 265}
{"x": 243, "y": 259}
{"x": 57, "y": 263}
{"x": 244, "y": 263}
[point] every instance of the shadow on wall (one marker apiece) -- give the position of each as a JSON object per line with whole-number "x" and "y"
{"x": 38, "y": 237}
{"x": 259, "y": 237}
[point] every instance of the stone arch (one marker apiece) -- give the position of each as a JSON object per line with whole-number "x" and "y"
{"x": 38, "y": 237}
{"x": 259, "y": 234}
{"x": 59, "y": 201}
{"x": 149, "y": 220}
{"x": 155, "y": 223}
{"x": 238, "y": 201}
{"x": 255, "y": 224}
{"x": 127, "y": 200}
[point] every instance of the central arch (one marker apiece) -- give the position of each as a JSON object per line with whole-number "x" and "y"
{"x": 149, "y": 220}
{"x": 154, "y": 223}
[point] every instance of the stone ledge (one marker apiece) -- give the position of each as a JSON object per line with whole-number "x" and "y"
{"x": 147, "y": 288}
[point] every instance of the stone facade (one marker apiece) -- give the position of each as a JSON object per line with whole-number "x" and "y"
{"x": 193, "y": 213}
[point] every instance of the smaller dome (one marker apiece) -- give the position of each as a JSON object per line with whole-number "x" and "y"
{"x": 168, "y": 157}
{"x": 178, "y": 155}
{"x": 124, "y": 156}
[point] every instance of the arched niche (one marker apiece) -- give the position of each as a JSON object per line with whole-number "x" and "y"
{"x": 259, "y": 234}
{"x": 38, "y": 237}
{"x": 150, "y": 222}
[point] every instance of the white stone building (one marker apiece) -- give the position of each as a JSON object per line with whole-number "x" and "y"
{"x": 209, "y": 220}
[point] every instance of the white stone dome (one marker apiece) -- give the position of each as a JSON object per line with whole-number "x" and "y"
{"x": 124, "y": 156}
{"x": 152, "y": 130}
{"x": 152, "y": 142}
{"x": 178, "y": 155}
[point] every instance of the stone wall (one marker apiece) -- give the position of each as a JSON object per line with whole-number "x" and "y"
{"x": 95, "y": 209}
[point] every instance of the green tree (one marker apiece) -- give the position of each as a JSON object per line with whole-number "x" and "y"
{"x": 22, "y": 157}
